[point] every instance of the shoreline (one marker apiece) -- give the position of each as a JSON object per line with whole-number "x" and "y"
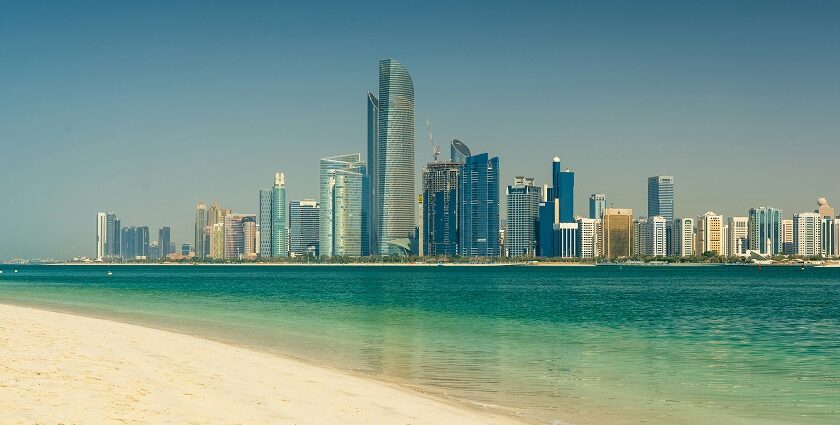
{"x": 87, "y": 369}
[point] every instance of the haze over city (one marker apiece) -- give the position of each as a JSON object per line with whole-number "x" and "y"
{"x": 146, "y": 109}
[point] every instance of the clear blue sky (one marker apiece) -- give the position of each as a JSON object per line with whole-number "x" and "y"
{"x": 145, "y": 108}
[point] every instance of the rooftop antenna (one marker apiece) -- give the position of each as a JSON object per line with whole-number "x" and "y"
{"x": 435, "y": 148}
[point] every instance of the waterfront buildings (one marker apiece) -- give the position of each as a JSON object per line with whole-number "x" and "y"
{"x": 249, "y": 236}
{"x": 236, "y": 241}
{"x": 588, "y": 240}
{"x": 394, "y": 167}
{"x": 597, "y": 205}
{"x": 112, "y": 236}
{"x": 788, "y": 247}
{"x": 709, "y": 234}
{"x": 135, "y": 243}
{"x": 807, "y": 232}
{"x": 101, "y": 235}
{"x": 640, "y": 236}
{"x": 657, "y": 243}
{"x": 738, "y": 237}
{"x": 765, "y": 230}
{"x": 199, "y": 230}
{"x": 684, "y": 237}
{"x": 661, "y": 197}
{"x": 343, "y": 208}
{"x": 439, "y": 208}
{"x": 216, "y": 238}
{"x": 459, "y": 151}
{"x": 304, "y": 216}
{"x": 566, "y": 239}
{"x": 523, "y": 200}
{"x": 186, "y": 249}
{"x": 824, "y": 209}
{"x": 278, "y": 216}
{"x": 164, "y": 242}
{"x": 264, "y": 218}
{"x": 617, "y": 229}
{"x": 478, "y": 216}
{"x": 373, "y": 165}
{"x": 557, "y": 208}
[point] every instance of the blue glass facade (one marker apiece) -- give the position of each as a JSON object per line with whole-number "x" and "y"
{"x": 765, "y": 230}
{"x": 559, "y": 208}
{"x": 478, "y": 219}
{"x": 440, "y": 208}
{"x": 661, "y": 197}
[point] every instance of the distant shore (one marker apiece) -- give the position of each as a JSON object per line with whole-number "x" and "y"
{"x": 64, "y": 368}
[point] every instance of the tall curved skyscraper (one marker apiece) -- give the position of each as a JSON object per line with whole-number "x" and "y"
{"x": 394, "y": 170}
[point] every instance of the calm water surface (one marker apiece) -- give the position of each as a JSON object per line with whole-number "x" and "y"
{"x": 660, "y": 345}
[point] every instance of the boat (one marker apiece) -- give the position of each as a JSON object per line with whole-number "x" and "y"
{"x": 109, "y": 273}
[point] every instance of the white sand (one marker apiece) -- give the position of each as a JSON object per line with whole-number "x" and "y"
{"x": 61, "y": 368}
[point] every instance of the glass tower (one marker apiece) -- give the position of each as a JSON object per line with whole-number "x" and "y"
{"x": 597, "y": 205}
{"x": 522, "y": 211}
{"x": 265, "y": 223}
{"x": 440, "y": 208}
{"x": 278, "y": 216}
{"x": 478, "y": 218}
{"x": 200, "y": 224}
{"x": 303, "y": 227}
{"x": 661, "y": 197}
{"x": 343, "y": 210}
{"x": 764, "y": 225}
{"x": 393, "y": 170}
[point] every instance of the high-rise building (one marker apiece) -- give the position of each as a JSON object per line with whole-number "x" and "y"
{"x": 827, "y": 236}
{"x": 588, "y": 246}
{"x": 835, "y": 236}
{"x": 199, "y": 232}
{"x": 239, "y": 236}
{"x": 394, "y": 168}
{"x": 640, "y": 236}
{"x": 478, "y": 215}
{"x": 765, "y": 230}
{"x": 164, "y": 242}
{"x": 661, "y": 197}
{"x": 597, "y": 205}
{"x": 112, "y": 236}
{"x": 278, "y": 216}
{"x": 101, "y": 235}
{"x": 558, "y": 208}
{"x": 709, "y": 234}
{"x": 807, "y": 234}
{"x": 249, "y": 237}
{"x": 657, "y": 243}
{"x": 459, "y": 151}
{"x": 216, "y": 241}
{"x": 617, "y": 229}
{"x": 373, "y": 146}
{"x": 265, "y": 222}
{"x": 738, "y": 236}
{"x": 440, "y": 208}
{"x": 215, "y": 215}
{"x": 566, "y": 239}
{"x": 788, "y": 247}
{"x": 684, "y": 237}
{"x": 343, "y": 208}
{"x": 523, "y": 199}
{"x": 304, "y": 216}
{"x": 135, "y": 243}
{"x": 825, "y": 210}
{"x": 186, "y": 249}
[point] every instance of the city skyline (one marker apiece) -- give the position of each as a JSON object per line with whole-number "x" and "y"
{"x": 609, "y": 126}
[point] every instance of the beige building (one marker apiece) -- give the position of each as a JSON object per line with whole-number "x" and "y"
{"x": 617, "y": 229}
{"x": 709, "y": 234}
{"x": 738, "y": 231}
{"x": 787, "y": 237}
{"x": 217, "y": 240}
{"x": 825, "y": 210}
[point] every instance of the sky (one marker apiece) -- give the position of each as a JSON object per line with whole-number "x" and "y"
{"x": 145, "y": 108}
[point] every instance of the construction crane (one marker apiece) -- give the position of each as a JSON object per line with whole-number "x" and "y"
{"x": 435, "y": 148}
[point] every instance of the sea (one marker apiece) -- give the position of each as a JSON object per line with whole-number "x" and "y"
{"x": 553, "y": 345}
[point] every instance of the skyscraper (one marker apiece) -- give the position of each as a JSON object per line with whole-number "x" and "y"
{"x": 373, "y": 146}
{"x": 164, "y": 239}
{"x": 684, "y": 237}
{"x": 566, "y": 239}
{"x": 343, "y": 207}
{"x": 788, "y": 247}
{"x": 640, "y": 236}
{"x": 249, "y": 236}
{"x": 657, "y": 243}
{"x": 235, "y": 242}
{"x": 278, "y": 216}
{"x": 765, "y": 230}
{"x": 597, "y": 205}
{"x": 200, "y": 224}
{"x": 523, "y": 199}
{"x": 807, "y": 234}
{"x": 101, "y": 235}
{"x": 478, "y": 215}
{"x": 440, "y": 208}
{"x": 264, "y": 216}
{"x": 661, "y": 197}
{"x": 459, "y": 151}
{"x": 112, "y": 236}
{"x": 709, "y": 234}
{"x": 738, "y": 236}
{"x": 557, "y": 208}
{"x": 394, "y": 168}
{"x": 304, "y": 218}
{"x": 588, "y": 246}
{"x": 617, "y": 229}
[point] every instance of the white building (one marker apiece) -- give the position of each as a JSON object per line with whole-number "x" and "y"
{"x": 657, "y": 241}
{"x": 640, "y": 230}
{"x": 806, "y": 233}
{"x": 684, "y": 237}
{"x": 738, "y": 230}
{"x": 101, "y": 236}
{"x": 588, "y": 246}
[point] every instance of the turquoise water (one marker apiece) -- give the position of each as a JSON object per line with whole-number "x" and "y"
{"x": 654, "y": 345}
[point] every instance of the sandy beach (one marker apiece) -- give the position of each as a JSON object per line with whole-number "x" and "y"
{"x": 62, "y": 368}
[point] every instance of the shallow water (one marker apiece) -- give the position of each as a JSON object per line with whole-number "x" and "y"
{"x": 690, "y": 345}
